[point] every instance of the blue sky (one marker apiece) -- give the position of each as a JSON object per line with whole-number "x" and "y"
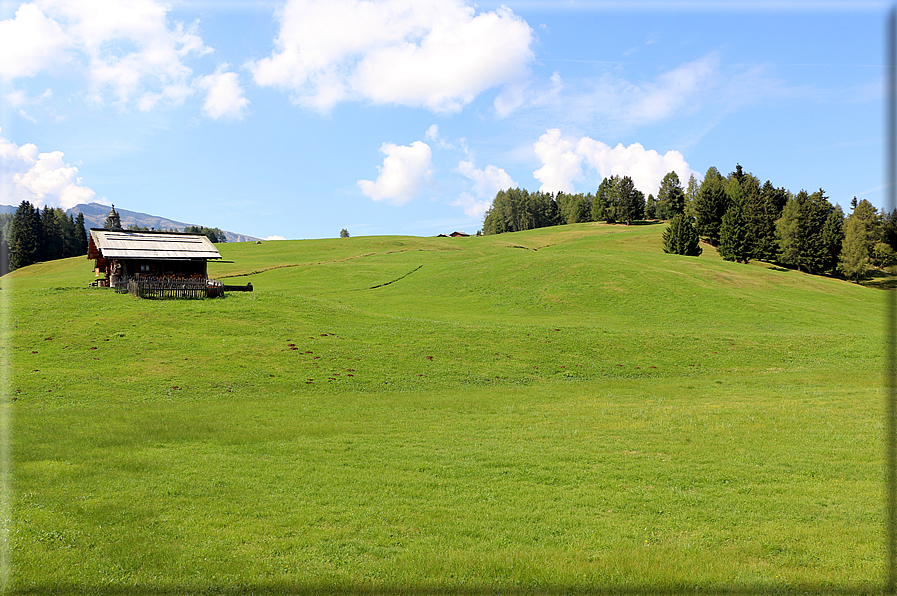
{"x": 297, "y": 118}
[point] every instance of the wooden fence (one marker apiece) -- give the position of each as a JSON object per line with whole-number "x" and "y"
{"x": 171, "y": 287}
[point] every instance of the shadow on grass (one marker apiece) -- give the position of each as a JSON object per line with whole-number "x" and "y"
{"x": 296, "y": 590}
{"x": 882, "y": 280}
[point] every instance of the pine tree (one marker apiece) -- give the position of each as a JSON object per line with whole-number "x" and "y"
{"x": 734, "y": 238}
{"x": 681, "y": 238}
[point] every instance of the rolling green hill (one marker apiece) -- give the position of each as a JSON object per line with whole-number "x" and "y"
{"x": 561, "y": 409}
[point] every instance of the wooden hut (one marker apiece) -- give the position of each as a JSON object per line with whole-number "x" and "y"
{"x": 170, "y": 258}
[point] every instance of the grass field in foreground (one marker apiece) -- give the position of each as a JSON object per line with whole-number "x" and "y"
{"x": 552, "y": 410}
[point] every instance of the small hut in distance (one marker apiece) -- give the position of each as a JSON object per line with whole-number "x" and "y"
{"x": 152, "y": 264}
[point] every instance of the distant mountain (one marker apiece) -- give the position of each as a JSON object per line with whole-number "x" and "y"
{"x": 95, "y": 217}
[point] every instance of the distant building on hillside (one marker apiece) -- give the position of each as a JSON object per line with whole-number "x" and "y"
{"x": 126, "y": 258}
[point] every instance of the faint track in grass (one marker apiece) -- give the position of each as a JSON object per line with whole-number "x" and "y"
{"x": 370, "y": 254}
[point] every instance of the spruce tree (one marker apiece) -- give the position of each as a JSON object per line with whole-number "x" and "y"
{"x": 710, "y": 205}
{"x": 81, "y": 234}
{"x": 24, "y": 240}
{"x": 671, "y": 196}
{"x": 681, "y": 238}
{"x": 605, "y": 206}
{"x": 888, "y": 233}
{"x": 799, "y": 231}
{"x": 630, "y": 201}
{"x": 69, "y": 234}
{"x": 51, "y": 236}
{"x": 833, "y": 238}
{"x": 4, "y": 255}
{"x": 761, "y": 210}
{"x": 734, "y": 238}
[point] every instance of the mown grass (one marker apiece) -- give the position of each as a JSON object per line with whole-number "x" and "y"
{"x": 558, "y": 410}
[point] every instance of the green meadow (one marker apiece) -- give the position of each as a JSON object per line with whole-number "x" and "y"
{"x": 560, "y": 410}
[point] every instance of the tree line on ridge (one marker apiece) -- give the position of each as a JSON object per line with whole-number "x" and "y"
{"x": 30, "y": 236}
{"x": 742, "y": 218}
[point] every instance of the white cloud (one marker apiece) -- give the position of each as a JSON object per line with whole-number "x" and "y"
{"x": 563, "y": 160}
{"x": 274, "y": 238}
{"x": 40, "y": 178}
{"x": 487, "y": 183}
{"x": 405, "y": 170}
{"x": 433, "y": 136}
{"x": 562, "y": 163}
{"x": 672, "y": 91}
{"x": 437, "y": 55}
{"x": 19, "y": 100}
{"x": 224, "y": 96}
{"x": 30, "y": 42}
{"x": 615, "y": 104}
{"x": 127, "y": 49}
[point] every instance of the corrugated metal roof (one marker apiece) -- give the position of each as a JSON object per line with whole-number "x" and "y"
{"x": 124, "y": 244}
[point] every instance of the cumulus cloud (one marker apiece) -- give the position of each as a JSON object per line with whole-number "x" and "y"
{"x": 563, "y": 160}
{"x": 438, "y": 55}
{"x": 562, "y": 163}
{"x": 127, "y": 49}
{"x": 405, "y": 170}
{"x": 224, "y": 96}
{"x": 30, "y": 42}
{"x": 40, "y": 178}
{"x": 486, "y": 184}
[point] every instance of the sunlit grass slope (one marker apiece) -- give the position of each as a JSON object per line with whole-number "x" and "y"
{"x": 567, "y": 408}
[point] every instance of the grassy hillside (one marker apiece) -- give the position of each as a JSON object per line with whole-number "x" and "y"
{"x": 566, "y": 408}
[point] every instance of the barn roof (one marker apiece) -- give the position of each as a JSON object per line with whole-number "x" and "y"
{"x": 126, "y": 244}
